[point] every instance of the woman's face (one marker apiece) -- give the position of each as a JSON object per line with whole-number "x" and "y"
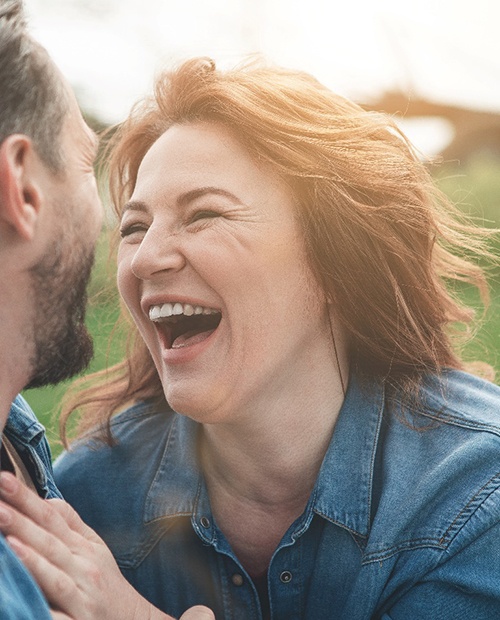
{"x": 213, "y": 268}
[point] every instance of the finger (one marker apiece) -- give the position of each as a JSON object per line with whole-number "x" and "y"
{"x": 29, "y": 503}
{"x": 58, "y": 587}
{"x": 73, "y": 520}
{"x": 55, "y": 515}
{"x": 58, "y": 615}
{"x": 13, "y": 523}
{"x": 198, "y": 613}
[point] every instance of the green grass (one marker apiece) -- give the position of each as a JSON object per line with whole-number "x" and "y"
{"x": 476, "y": 190}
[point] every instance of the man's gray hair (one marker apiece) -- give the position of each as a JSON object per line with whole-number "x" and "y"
{"x": 33, "y": 99}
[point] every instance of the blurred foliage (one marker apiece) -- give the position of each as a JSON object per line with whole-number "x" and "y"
{"x": 474, "y": 187}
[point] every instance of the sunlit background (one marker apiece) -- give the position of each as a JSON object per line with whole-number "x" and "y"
{"x": 445, "y": 51}
{"x": 434, "y": 62}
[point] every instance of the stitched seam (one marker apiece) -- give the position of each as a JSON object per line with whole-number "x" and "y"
{"x": 149, "y": 501}
{"x": 340, "y": 524}
{"x": 462, "y": 422}
{"x": 444, "y": 541}
{"x": 439, "y": 408}
{"x": 470, "y": 508}
{"x": 409, "y": 545}
{"x": 139, "y": 553}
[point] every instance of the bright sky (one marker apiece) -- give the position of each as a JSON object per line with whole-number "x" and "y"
{"x": 110, "y": 50}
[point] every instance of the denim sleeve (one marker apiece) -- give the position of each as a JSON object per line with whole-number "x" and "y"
{"x": 20, "y": 597}
{"x": 465, "y": 585}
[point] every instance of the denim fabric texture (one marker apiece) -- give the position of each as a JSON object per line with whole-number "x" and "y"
{"x": 20, "y": 597}
{"x": 403, "y": 522}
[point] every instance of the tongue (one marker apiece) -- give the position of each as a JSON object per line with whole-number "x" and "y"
{"x": 190, "y": 338}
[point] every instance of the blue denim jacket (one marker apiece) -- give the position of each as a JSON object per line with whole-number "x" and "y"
{"x": 403, "y": 522}
{"x": 20, "y": 597}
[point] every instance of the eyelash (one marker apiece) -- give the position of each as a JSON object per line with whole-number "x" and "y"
{"x": 202, "y": 214}
{"x": 130, "y": 229}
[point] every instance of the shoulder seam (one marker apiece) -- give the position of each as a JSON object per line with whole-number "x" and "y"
{"x": 470, "y": 508}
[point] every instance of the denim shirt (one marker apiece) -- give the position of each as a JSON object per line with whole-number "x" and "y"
{"x": 403, "y": 522}
{"x": 20, "y": 597}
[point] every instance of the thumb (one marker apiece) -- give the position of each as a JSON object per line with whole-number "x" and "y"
{"x": 198, "y": 613}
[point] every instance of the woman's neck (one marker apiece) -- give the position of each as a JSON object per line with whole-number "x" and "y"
{"x": 272, "y": 455}
{"x": 260, "y": 474}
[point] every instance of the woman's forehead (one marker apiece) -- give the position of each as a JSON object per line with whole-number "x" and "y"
{"x": 204, "y": 152}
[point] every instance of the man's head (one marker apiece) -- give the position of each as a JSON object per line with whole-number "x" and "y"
{"x": 50, "y": 213}
{"x": 33, "y": 99}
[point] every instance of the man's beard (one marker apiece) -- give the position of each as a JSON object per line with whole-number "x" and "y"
{"x": 63, "y": 346}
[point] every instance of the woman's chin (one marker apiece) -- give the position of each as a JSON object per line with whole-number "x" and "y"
{"x": 200, "y": 408}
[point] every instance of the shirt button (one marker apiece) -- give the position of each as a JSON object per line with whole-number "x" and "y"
{"x": 286, "y": 576}
{"x": 237, "y": 579}
{"x": 205, "y": 522}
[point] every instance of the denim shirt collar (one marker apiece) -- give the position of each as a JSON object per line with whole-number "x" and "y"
{"x": 343, "y": 490}
{"x": 345, "y": 482}
{"x": 175, "y": 487}
{"x": 22, "y": 427}
{"x": 27, "y": 436}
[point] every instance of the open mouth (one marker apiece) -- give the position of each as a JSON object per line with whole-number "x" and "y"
{"x": 183, "y": 325}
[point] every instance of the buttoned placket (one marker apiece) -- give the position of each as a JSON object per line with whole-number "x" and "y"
{"x": 239, "y": 596}
{"x": 285, "y": 576}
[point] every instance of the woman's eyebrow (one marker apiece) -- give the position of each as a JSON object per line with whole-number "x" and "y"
{"x": 134, "y": 205}
{"x": 187, "y": 197}
{"x": 183, "y": 200}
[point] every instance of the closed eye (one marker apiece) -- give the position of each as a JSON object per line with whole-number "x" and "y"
{"x": 205, "y": 214}
{"x": 127, "y": 230}
{"x": 202, "y": 218}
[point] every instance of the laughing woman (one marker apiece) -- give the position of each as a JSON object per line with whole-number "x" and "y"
{"x": 304, "y": 441}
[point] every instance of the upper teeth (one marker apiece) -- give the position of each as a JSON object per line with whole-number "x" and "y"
{"x": 165, "y": 310}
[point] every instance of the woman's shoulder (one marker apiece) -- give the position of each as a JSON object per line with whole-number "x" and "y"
{"x": 455, "y": 418}
{"x": 138, "y": 434}
{"x": 438, "y": 476}
{"x": 459, "y": 398}
{"x": 108, "y": 485}
{"x": 129, "y": 424}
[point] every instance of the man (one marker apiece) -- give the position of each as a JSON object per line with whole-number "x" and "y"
{"x": 50, "y": 218}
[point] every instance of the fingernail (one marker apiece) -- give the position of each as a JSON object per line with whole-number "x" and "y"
{"x": 5, "y": 516}
{"x": 17, "y": 546}
{"x": 8, "y": 484}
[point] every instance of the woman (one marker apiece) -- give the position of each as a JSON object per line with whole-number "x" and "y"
{"x": 322, "y": 454}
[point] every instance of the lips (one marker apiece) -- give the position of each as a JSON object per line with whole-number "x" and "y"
{"x": 183, "y": 325}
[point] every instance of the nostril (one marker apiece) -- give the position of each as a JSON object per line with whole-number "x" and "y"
{"x": 155, "y": 258}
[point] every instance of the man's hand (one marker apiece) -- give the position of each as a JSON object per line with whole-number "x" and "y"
{"x": 70, "y": 562}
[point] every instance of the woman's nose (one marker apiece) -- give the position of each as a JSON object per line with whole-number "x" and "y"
{"x": 158, "y": 251}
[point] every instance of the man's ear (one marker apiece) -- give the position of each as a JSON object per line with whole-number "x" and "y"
{"x": 20, "y": 194}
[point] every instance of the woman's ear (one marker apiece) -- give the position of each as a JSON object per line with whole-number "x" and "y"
{"x": 20, "y": 195}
